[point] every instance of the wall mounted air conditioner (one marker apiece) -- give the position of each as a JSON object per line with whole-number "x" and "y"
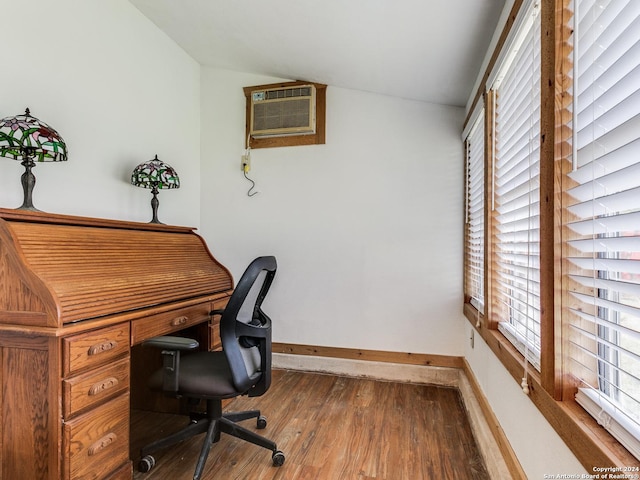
{"x": 277, "y": 112}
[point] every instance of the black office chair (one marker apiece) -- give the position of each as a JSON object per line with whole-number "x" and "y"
{"x": 243, "y": 367}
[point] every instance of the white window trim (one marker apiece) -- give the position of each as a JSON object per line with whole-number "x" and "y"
{"x": 526, "y": 348}
{"x": 623, "y": 429}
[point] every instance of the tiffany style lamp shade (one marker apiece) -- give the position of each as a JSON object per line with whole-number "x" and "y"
{"x": 155, "y": 174}
{"x": 30, "y": 140}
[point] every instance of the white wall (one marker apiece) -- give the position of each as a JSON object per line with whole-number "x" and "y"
{"x": 118, "y": 90}
{"x": 538, "y": 447}
{"x": 367, "y": 229}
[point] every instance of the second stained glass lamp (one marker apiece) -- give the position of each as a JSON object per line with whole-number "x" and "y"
{"x": 156, "y": 175}
{"x": 25, "y": 138}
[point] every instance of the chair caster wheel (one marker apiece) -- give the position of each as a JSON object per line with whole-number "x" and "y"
{"x": 146, "y": 463}
{"x": 262, "y": 422}
{"x": 277, "y": 458}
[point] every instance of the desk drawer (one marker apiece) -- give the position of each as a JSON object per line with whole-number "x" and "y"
{"x": 165, "y": 323}
{"x": 84, "y": 391}
{"x": 97, "y": 443}
{"x": 94, "y": 348}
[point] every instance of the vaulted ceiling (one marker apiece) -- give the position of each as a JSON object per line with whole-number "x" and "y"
{"x": 428, "y": 50}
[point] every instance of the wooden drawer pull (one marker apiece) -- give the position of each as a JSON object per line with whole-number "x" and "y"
{"x": 101, "y": 444}
{"x": 102, "y": 386}
{"x": 176, "y": 322}
{"x": 102, "y": 347}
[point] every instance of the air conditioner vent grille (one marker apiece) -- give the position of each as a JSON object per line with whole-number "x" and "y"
{"x": 292, "y": 114}
{"x": 283, "y": 111}
{"x": 288, "y": 92}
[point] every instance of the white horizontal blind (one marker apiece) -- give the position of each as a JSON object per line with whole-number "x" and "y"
{"x": 475, "y": 214}
{"x": 603, "y": 216}
{"x": 517, "y": 192}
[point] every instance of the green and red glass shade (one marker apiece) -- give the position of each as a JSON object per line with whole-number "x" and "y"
{"x": 156, "y": 175}
{"x": 29, "y": 140}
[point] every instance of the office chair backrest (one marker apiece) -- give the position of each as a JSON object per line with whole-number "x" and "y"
{"x": 245, "y": 330}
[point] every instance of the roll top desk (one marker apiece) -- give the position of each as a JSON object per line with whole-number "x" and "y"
{"x": 76, "y": 294}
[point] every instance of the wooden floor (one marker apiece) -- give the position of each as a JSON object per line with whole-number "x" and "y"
{"x": 331, "y": 428}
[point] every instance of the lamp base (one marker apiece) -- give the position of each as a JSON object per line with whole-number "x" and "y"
{"x": 28, "y": 180}
{"x": 155, "y": 203}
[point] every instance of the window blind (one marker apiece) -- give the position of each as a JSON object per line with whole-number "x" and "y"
{"x": 516, "y": 190}
{"x": 474, "y": 215}
{"x": 602, "y": 216}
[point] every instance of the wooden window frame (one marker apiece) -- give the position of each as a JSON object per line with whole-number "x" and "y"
{"x": 317, "y": 138}
{"x": 551, "y": 390}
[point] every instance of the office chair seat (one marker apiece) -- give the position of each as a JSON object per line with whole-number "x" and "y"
{"x": 243, "y": 367}
{"x": 202, "y": 374}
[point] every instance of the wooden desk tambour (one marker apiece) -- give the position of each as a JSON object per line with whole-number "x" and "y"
{"x": 75, "y": 295}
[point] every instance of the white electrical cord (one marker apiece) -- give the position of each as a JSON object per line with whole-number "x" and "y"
{"x": 246, "y": 167}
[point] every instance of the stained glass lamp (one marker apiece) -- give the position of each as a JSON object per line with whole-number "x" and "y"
{"x": 155, "y": 174}
{"x": 30, "y": 140}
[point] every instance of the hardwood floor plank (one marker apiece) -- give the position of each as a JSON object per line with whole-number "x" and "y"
{"x": 331, "y": 428}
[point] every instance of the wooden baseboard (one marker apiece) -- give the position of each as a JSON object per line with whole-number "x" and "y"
{"x": 370, "y": 355}
{"x": 493, "y": 424}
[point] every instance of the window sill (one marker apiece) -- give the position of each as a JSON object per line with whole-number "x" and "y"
{"x": 592, "y": 445}
{"x": 624, "y": 430}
